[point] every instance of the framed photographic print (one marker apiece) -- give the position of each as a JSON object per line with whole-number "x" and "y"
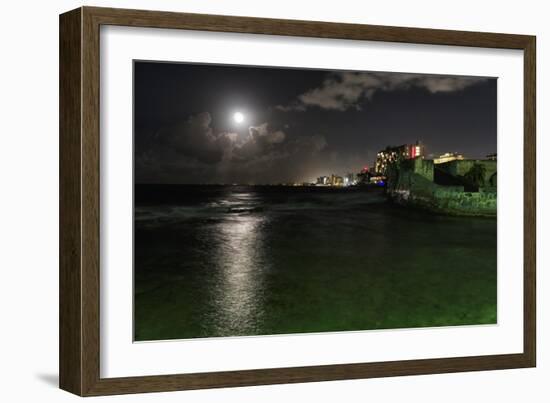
{"x": 249, "y": 201}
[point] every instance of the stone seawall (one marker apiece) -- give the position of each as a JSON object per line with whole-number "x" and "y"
{"x": 412, "y": 189}
{"x": 470, "y": 203}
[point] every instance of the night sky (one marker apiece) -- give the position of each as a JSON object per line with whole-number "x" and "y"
{"x": 298, "y": 124}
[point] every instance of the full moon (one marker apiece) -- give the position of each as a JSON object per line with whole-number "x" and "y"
{"x": 238, "y": 117}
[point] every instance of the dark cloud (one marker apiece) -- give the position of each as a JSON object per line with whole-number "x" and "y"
{"x": 261, "y": 140}
{"x": 192, "y": 151}
{"x": 343, "y": 91}
{"x": 196, "y": 138}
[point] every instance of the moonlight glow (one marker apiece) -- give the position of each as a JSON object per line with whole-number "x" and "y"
{"x": 238, "y": 117}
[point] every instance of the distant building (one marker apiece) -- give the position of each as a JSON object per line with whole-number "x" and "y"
{"x": 492, "y": 157}
{"x": 350, "y": 179}
{"x": 323, "y": 180}
{"x": 363, "y": 177}
{"x": 447, "y": 157}
{"x": 336, "y": 180}
{"x": 377, "y": 180}
{"x": 391, "y": 154}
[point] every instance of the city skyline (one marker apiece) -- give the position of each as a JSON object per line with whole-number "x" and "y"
{"x": 233, "y": 124}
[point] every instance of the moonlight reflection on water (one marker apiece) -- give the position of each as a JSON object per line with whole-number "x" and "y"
{"x": 240, "y": 263}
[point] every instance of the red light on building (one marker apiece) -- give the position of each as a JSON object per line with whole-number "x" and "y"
{"x": 415, "y": 151}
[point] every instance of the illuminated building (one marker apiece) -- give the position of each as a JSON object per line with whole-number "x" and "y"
{"x": 377, "y": 180}
{"x": 492, "y": 157}
{"x": 350, "y": 179}
{"x": 336, "y": 180}
{"x": 447, "y": 157}
{"x": 393, "y": 154}
{"x": 323, "y": 180}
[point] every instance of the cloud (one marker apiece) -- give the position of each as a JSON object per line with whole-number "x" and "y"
{"x": 264, "y": 133}
{"x": 265, "y": 143}
{"x": 193, "y": 152}
{"x": 195, "y": 138}
{"x": 343, "y": 91}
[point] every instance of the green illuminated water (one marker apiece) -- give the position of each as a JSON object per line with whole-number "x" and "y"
{"x": 238, "y": 260}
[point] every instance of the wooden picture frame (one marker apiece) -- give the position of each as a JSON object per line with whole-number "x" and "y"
{"x": 79, "y": 201}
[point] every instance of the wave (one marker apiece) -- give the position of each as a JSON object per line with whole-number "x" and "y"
{"x": 254, "y": 203}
